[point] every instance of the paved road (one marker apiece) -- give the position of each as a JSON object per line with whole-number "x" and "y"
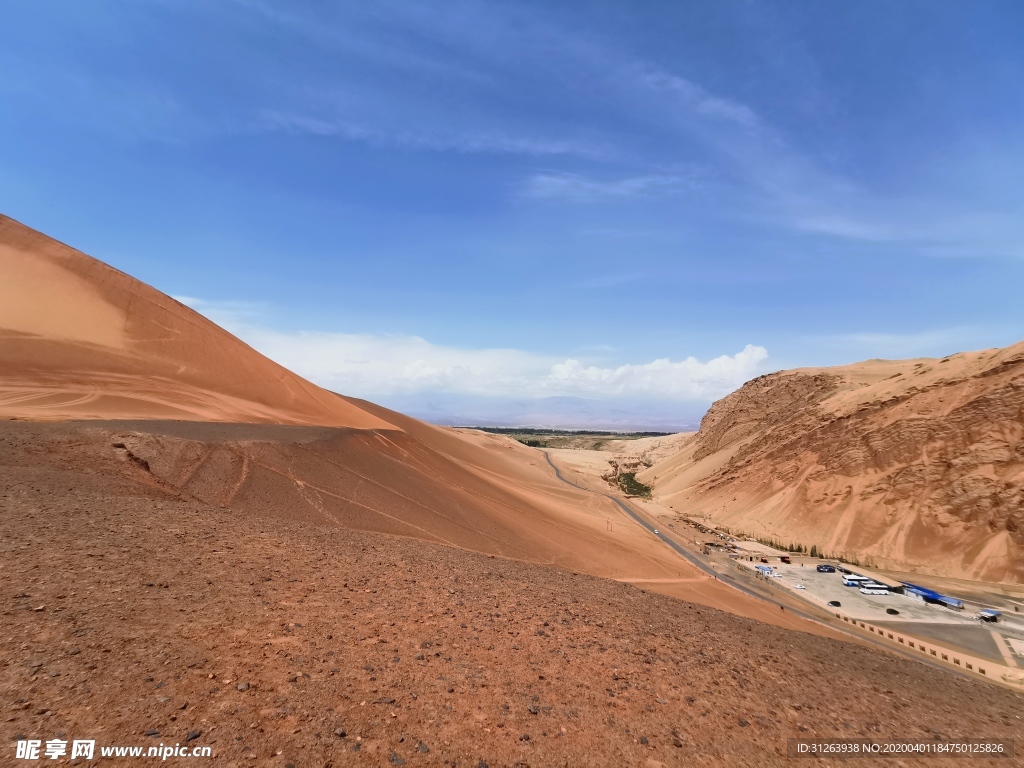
{"x": 680, "y": 550}
{"x": 692, "y": 558}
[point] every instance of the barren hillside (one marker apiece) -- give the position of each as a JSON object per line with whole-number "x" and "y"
{"x": 912, "y": 465}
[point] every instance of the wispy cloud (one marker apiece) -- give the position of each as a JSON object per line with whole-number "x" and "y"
{"x": 696, "y": 99}
{"x": 273, "y": 121}
{"x": 371, "y": 365}
{"x": 470, "y": 142}
{"x": 515, "y": 80}
{"x": 845, "y": 226}
{"x": 579, "y": 188}
{"x": 793, "y": 189}
{"x": 226, "y": 313}
{"x": 480, "y": 52}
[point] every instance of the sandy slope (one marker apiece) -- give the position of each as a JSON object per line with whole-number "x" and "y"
{"x": 78, "y": 339}
{"x": 913, "y": 465}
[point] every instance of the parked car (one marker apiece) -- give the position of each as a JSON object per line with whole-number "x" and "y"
{"x": 826, "y": 569}
{"x": 834, "y": 603}
{"x": 800, "y": 586}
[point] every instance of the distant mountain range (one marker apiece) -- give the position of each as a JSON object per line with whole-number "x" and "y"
{"x": 549, "y": 413}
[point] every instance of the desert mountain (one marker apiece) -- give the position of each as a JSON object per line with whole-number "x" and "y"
{"x": 911, "y": 465}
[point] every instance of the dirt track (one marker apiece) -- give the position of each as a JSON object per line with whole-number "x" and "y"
{"x": 154, "y": 610}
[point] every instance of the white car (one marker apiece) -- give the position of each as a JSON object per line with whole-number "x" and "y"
{"x": 657, "y": 531}
{"x": 800, "y": 586}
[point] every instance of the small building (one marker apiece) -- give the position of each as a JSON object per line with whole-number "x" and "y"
{"x": 926, "y": 595}
{"x": 953, "y": 603}
{"x": 922, "y": 594}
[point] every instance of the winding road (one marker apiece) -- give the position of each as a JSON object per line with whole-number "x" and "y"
{"x": 680, "y": 550}
{"x": 633, "y": 514}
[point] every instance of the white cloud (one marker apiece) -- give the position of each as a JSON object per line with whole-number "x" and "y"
{"x": 374, "y": 365}
{"x": 688, "y": 379}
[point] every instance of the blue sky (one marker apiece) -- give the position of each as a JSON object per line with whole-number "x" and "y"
{"x": 640, "y": 205}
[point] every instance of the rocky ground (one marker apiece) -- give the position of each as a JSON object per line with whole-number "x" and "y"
{"x": 127, "y": 612}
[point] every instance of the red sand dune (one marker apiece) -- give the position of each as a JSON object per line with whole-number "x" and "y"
{"x": 79, "y": 339}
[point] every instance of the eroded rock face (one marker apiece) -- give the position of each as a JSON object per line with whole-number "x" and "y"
{"x": 760, "y": 405}
{"x": 915, "y": 465}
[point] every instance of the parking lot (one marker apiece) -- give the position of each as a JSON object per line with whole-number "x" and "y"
{"x": 820, "y": 588}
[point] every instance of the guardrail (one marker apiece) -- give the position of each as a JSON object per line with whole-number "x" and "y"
{"x": 1000, "y": 673}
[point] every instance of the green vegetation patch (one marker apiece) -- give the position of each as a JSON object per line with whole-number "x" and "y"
{"x": 632, "y": 486}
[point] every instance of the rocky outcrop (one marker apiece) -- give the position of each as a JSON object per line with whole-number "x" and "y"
{"x": 911, "y": 465}
{"x": 761, "y": 405}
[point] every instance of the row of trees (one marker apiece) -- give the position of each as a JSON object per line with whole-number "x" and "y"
{"x": 797, "y": 548}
